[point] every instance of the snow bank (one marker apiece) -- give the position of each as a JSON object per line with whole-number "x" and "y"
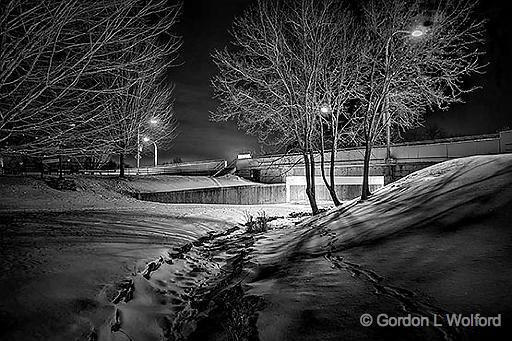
{"x": 166, "y": 183}
{"x": 435, "y": 242}
{"x": 71, "y": 260}
{"x": 447, "y": 193}
{"x": 96, "y": 192}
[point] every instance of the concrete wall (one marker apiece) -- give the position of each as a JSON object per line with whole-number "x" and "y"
{"x": 347, "y": 187}
{"x": 278, "y": 174}
{"x": 405, "y": 158}
{"x": 235, "y": 195}
{"x": 397, "y": 171}
{"x": 427, "y": 151}
{"x": 283, "y": 171}
{"x": 506, "y": 141}
{"x": 297, "y": 193}
{"x": 294, "y": 190}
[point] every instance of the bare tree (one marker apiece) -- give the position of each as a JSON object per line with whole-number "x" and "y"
{"x": 340, "y": 86}
{"x": 271, "y": 83}
{"x": 417, "y": 54}
{"x": 145, "y": 109}
{"x": 54, "y": 59}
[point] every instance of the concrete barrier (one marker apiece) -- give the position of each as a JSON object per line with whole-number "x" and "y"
{"x": 297, "y": 193}
{"x": 347, "y": 187}
{"x": 349, "y": 161}
{"x": 234, "y": 195}
{"x": 294, "y": 190}
{"x": 506, "y": 141}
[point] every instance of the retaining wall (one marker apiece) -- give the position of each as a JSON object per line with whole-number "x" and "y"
{"x": 254, "y": 194}
{"x": 297, "y": 193}
{"x": 234, "y": 195}
{"x": 405, "y": 158}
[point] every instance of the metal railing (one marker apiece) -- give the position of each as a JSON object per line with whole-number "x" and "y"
{"x": 207, "y": 167}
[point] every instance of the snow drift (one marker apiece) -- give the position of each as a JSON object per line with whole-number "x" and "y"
{"x": 437, "y": 241}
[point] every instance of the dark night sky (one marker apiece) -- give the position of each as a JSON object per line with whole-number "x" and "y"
{"x": 204, "y": 26}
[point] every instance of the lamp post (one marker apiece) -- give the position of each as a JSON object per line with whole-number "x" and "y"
{"x": 152, "y": 121}
{"x": 416, "y": 33}
{"x": 147, "y": 139}
{"x": 324, "y": 110}
{"x": 137, "y": 157}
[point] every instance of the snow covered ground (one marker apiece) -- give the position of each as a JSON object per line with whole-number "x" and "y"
{"x": 65, "y": 256}
{"x": 435, "y": 243}
{"x": 97, "y": 192}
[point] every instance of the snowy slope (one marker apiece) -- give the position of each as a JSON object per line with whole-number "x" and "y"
{"x": 435, "y": 242}
{"x": 97, "y": 192}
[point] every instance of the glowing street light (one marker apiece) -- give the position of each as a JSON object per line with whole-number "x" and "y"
{"x": 417, "y": 32}
{"x": 147, "y": 139}
{"x": 152, "y": 121}
{"x": 324, "y": 110}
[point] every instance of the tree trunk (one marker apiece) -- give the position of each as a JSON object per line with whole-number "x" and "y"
{"x": 329, "y": 184}
{"x": 310, "y": 184}
{"x": 332, "y": 188}
{"x": 334, "y": 148}
{"x": 121, "y": 165}
{"x": 365, "y": 193}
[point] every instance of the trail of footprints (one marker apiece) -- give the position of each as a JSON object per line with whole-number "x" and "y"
{"x": 208, "y": 264}
{"x": 213, "y": 262}
{"x": 410, "y": 302}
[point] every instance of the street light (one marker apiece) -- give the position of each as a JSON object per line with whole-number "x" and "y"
{"x": 152, "y": 121}
{"x": 324, "y": 110}
{"x": 417, "y": 32}
{"x": 147, "y": 139}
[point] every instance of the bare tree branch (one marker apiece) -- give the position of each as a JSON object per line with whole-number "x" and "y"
{"x": 62, "y": 61}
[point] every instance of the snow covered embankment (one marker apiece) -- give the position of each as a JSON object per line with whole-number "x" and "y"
{"x": 448, "y": 193}
{"x": 435, "y": 242}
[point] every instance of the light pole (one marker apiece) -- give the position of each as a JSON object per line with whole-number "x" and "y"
{"x": 138, "y": 148}
{"x": 147, "y": 139}
{"x": 416, "y": 33}
{"x": 152, "y": 121}
{"x": 324, "y": 110}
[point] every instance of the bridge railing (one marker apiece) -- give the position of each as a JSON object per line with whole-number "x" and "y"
{"x": 425, "y": 151}
{"x": 208, "y": 167}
